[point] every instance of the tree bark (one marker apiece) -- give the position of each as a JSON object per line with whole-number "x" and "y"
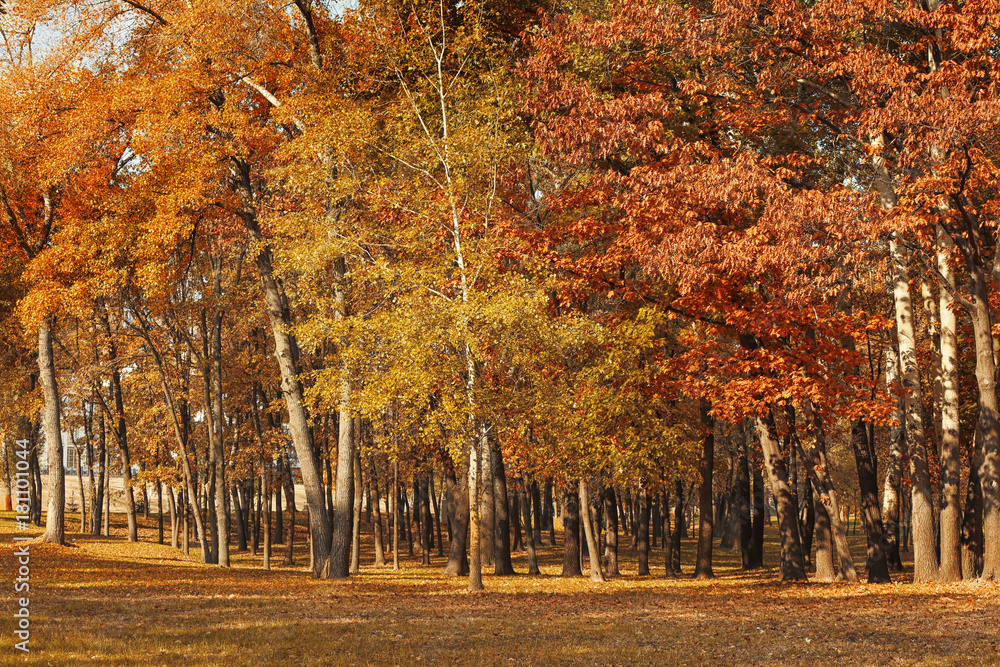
{"x": 571, "y": 533}
{"x": 595, "y": 560}
{"x": 792, "y": 565}
{"x": 529, "y": 543}
{"x": 356, "y": 518}
{"x": 55, "y": 529}
{"x": 376, "y": 503}
{"x": 703, "y": 563}
{"x": 458, "y": 491}
{"x": 894, "y": 467}
{"x": 950, "y": 453}
{"x": 501, "y": 542}
{"x": 642, "y": 537}
{"x": 286, "y": 353}
{"x": 925, "y": 565}
{"x": 611, "y": 520}
{"x": 343, "y": 515}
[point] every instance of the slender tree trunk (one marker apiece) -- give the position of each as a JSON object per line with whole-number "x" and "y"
{"x": 426, "y": 524}
{"x": 437, "y": 513}
{"x": 611, "y": 519}
{"x": 395, "y": 515}
{"x": 642, "y": 537}
{"x": 675, "y": 537}
{"x": 286, "y": 352}
{"x": 894, "y": 466}
{"x": 289, "y": 488}
{"x": 844, "y": 563}
{"x": 343, "y": 515}
{"x": 950, "y": 454}
{"x": 529, "y": 543}
{"x": 501, "y": 544}
{"x": 377, "y": 519}
{"x": 55, "y": 517}
{"x": 703, "y": 564}
{"x": 792, "y": 565}
{"x": 159, "y": 511}
{"x": 174, "y": 527}
{"x": 595, "y": 561}
{"x": 549, "y": 512}
{"x": 265, "y": 492}
{"x": 925, "y": 566}
{"x": 358, "y": 492}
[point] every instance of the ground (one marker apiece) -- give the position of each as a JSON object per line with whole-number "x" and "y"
{"x": 107, "y": 602}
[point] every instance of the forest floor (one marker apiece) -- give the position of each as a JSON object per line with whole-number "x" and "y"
{"x": 107, "y": 602}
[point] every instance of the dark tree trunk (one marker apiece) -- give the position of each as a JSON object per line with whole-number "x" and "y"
{"x": 668, "y": 540}
{"x": 279, "y": 528}
{"x": 529, "y": 542}
{"x": 743, "y": 502}
{"x": 759, "y": 509}
{"x": 864, "y": 456}
{"x": 457, "y": 489}
{"x": 611, "y": 519}
{"x": 792, "y": 565}
{"x": 703, "y": 564}
{"x": 376, "y": 504}
{"x": 548, "y": 513}
{"x": 808, "y": 523}
{"x": 972, "y": 523}
{"x": 501, "y": 544}
{"x": 571, "y": 532}
{"x": 675, "y": 538}
{"x": 356, "y": 502}
{"x": 536, "y": 511}
{"x": 642, "y": 537}
{"x": 426, "y": 525}
{"x": 437, "y": 513}
{"x": 516, "y": 544}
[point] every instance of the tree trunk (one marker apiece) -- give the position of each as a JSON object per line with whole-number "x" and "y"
{"x": 395, "y": 515}
{"x": 925, "y": 566}
{"x": 894, "y": 467}
{"x": 642, "y": 536}
{"x": 743, "y": 502}
{"x": 458, "y": 490}
{"x": 356, "y": 519}
{"x": 529, "y": 543}
{"x": 595, "y": 564}
{"x": 844, "y": 563}
{"x": 792, "y": 565}
{"x": 950, "y": 453}
{"x": 548, "y": 512}
{"x": 703, "y": 563}
{"x": 571, "y": 532}
{"x": 825, "y": 570}
{"x": 864, "y": 457}
{"x": 376, "y": 503}
{"x": 972, "y": 522}
{"x": 286, "y": 352}
{"x": 55, "y": 529}
{"x": 536, "y": 511}
{"x": 501, "y": 544}
{"x": 343, "y": 515}
{"x": 611, "y": 519}
{"x": 675, "y": 538}
{"x": 437, "y": 513}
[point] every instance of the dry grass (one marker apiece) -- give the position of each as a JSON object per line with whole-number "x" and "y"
{"x": 104, "y": 601}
